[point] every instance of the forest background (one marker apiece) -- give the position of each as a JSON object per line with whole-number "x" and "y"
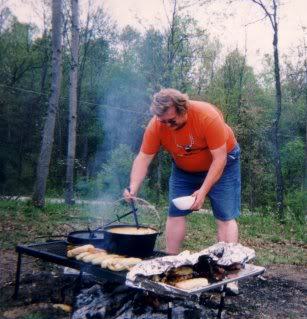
{"x": 118, "y": 72}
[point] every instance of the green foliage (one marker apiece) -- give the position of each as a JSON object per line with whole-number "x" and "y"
{"x": 118, "y": 73}
{"x": 113, "y": 177}
{"x": 274, "y": 242}
{"x": 116, "y": 172}
{"x": 292, "y": 157}
{"x": 296, "y": 207}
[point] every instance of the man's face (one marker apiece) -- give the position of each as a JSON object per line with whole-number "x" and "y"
{"x": 172, "y": 119}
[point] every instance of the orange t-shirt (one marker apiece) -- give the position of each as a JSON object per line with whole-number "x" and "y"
{"x": 204, "y": 130}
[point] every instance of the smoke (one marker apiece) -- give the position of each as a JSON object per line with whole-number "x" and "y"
{"x": 123, "y": 117}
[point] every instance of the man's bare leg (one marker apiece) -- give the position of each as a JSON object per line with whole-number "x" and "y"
{"x": 227, "y": 231}
{"x": 175, "y": 233}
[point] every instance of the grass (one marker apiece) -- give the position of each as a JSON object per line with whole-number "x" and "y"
{"x": 21, "y": 222}
{"x": 274, "y": 242}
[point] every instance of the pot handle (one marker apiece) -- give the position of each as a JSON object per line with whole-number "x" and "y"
{"x": 134, "y": 210}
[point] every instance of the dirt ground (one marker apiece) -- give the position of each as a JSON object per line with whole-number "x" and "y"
{"x": 280, "y": 293}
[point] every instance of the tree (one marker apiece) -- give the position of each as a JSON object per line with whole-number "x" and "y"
{"x": 48, "y": 133}
{"x": 71, "y": 147}
{"x": 271, "y": 12}
{"x": 305, "y": 138}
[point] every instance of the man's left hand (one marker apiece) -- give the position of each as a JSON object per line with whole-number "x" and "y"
{"x": 199, "y": 200}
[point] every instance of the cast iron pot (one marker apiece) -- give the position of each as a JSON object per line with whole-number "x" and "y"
{"x": 122, "y": 244}
{"x": 84, "y": 237}
{"x": 130, "y": 244}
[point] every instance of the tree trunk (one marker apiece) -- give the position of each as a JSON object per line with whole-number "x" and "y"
{"x": 275, "y": 130}
{"x": 71, "y": 149}
{"x": 305, "y": 142}
{"x": 277, "y": 162}
{"x": 48, "y": 132}
{"x": 241, "y": 77}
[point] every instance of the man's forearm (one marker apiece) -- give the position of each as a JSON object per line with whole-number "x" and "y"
{"x": 139, "y": 172}
{"x": 214, "y": 174}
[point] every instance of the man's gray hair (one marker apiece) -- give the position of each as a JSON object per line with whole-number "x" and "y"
{"x": 167, "y": 98}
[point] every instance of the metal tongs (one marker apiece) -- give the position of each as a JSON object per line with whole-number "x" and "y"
{"x": 118, "y": 218}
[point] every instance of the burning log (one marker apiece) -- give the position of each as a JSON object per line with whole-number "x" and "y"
{"x": 126, "y": 303}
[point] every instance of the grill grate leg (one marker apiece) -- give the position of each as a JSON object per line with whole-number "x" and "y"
{"x": 17, "y": 277}
{"x": 222, "y": 302}
{"x": 170, "y": 310}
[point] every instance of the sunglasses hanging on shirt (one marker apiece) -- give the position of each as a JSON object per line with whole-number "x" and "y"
{"x": 188, "y": 147}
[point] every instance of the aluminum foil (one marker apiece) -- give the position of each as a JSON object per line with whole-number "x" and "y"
{"x": 224, "y": 254}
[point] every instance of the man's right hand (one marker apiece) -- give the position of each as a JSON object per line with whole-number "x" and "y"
{"x": 128, "y": 194}
{"x": 138, "y": 173}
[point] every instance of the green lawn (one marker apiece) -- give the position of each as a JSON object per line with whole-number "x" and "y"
{"x": 274, "y": 242}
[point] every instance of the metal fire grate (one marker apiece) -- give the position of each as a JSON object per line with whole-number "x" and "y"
{"x": 56, "y": 248}
{"x": 55, "y": 252}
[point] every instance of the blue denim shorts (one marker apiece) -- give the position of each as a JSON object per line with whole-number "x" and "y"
{"x": 225, "y": 194}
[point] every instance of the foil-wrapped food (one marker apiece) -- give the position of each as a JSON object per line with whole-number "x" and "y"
{"x": 192, "y": 270}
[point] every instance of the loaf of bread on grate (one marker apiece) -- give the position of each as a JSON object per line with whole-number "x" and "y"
{"x": 81, "y": 249}
{"x": 110, "y": 259}
{"x": 82, "y": 255}
{"x": 192, "y": 284}
{"x": 89, "y": 258}
{"x": 122, "y": 263}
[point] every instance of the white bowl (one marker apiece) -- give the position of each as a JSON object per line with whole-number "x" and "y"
{"x": 184, "y": 202}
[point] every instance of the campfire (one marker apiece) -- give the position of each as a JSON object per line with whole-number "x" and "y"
{"x": 121, "y": 302}
{"x": 157, "y": 286}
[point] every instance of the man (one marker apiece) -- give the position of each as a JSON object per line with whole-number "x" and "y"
{"x": 206, "y": 163}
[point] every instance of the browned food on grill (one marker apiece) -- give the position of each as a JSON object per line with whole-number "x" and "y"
{"x": 114, "y": 266}
{"x": 123, "y": 264}
{"x": 132, "y": 230}
{"x": 87, "y": 254}
{"x": 192, "y": 284}
{"x": 101, "y": 257}
{"x": 131, "y": 262}
{"x": 70, "y": 247}
{"x": 96, "y": 256}
{"x": 219, "y": 273}
{"x": 180, "y": 271}
{"x": 81, "y": 249}
{"x": 207, "y": 263}
{"x": 110, "y": 259}
{"x": 81, "y": 255}
{"x": 92, "y": 256}
{"x": 174, "y": 275}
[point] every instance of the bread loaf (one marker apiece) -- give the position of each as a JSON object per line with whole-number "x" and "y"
{"x": 81, "y": 255}
{"x": 110, "y": 259}
{"x": 100, "y": 258}
{"x": 89, "y": 258}
{"x": 192, "y": 284}
{"x": 81, "y": 249}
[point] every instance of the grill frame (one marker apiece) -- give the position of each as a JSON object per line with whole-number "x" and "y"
{"x": 54, "y": 251}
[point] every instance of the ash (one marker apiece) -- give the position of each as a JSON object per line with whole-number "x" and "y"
{"x": 109, "y": 300}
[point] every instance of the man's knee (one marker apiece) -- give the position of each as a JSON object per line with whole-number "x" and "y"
{"x": 227, "y": 231}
